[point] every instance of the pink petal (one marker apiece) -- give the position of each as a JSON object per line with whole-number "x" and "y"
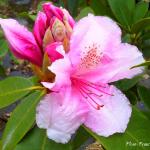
{"x": 54, "y": 51}
{"x": 40, "y": 28}
{"x": 123, "y": 58}
{"x": 62, "y": 69}
{"x": 113, "y": 117}
{"x": 48, "y": 85}
{"x": 68, "y": 17}
{"x": 61, "y": 114}
{"x": 50, "y": 11}
{"x": 93, "y": 32}
{"x": 21, "y": 41}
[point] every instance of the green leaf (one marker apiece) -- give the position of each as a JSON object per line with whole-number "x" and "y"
{"x": 138, "y": 132}
{"x": 144, "y": 94}
{"x": 132, "y": 97}
{"x": 34, "y": 80}
{"x": 2, "y": 71}
{"x": 126, "y": 84}
{"x": 12, "y": 89}
{"x": 81, "y": 137}
{"x": 146, "y": 63}
{"x": 123, "y": 11}
{"x": 3, "y": 48}
{"x": 146, "y": 36}
{"x": 140, "y": 10}
{"x": 21, "y": 120}
{"x": 101, "y": 7}
{"x": 37, "y": 139}
{"x": 84, "y": 13}
{"x": 73, "y": 6}
{"x": 140, "y": 25}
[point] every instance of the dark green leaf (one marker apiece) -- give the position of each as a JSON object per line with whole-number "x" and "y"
{"x": 126, "y": 84}
{"x": 101, "y": 7}
{"x": 21, "y": 120}
{"x": 140, "y": 10}
{"x": 146, "y": 63}
{"x": 3, "y": 48}
{"x": 146, "y": 36}
{"x": 12, "y": 89}
{"x": 138, "y": 132}
{"x": 140, "y": 25}
{"x": 81, "y": 137}
{"x": 84, "y": 13}
{"x": 2, "y": 71}
{"x": 123, "y": 11}
{"x": 73, "y": 6}
{"x": 37, "y": 139}
{"x": 144, "y": 95}
{"x": 132, "y": 97}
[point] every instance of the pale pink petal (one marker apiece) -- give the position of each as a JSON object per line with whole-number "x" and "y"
{"x": 91, "y": 37}
{"x": 21, "y": 41}
{"x": 123, "y": 57}
{"x": 48, "y": 85}
{"x": 112, "y": 117}
{"x": 55, "y": 51}
{"x": 63, "y": 70}
{"x": 40, "y": 27}
{"x": 61, "y": 114}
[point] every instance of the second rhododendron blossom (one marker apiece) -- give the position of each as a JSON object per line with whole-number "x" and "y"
{"x": 82, "y": 92}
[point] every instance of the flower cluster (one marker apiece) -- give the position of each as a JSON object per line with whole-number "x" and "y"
{"x": 86, "y": 57}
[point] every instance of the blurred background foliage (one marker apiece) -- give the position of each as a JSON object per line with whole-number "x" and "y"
{"x": 133, "y": 17}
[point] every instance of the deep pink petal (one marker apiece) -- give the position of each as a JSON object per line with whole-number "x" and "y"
{"x": 53, "y": 51}
{"x": 69, "y": 18}
{"x": 51, "y": 10}
{"x": 21, "y": 41}
{"x": 40, "y": 27}
{"x": 61, "y": 114}
{"x": 112, "y": 117}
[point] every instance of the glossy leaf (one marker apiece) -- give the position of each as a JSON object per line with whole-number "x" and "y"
{"x": 21, "y": 120}
{"x": 132, "y": 97}
{"x": 123, "y": 10}
{"x": 101, "y": 7}
{"x": 73, "y": 6}
{"x": 138, "y": 132}
{"x": 140, "y": 10}
{"x": 144, "y": 95}
{"x": 84, "y": 13}
{"x": 140, "y": 25}
{"x": 80, "y": 138}
{"x": 37, "y": 139}
{"x": 12, "y": 89}
{"x": 3, "y": 48}
{"x": 2, "y": 71}
{"x": 126, "y": 84}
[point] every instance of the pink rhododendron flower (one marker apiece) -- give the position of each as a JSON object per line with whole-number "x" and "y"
{"x": 54, "y": 25}
{"x": 81, "y": 92}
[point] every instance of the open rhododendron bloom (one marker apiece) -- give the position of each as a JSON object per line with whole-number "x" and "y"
{"x": 52, "y": 27}
{"x": 82, "y": 92}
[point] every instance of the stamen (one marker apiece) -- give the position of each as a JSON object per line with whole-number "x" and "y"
{"x": 89, "y": 91}
{"x": 95, "y": 86}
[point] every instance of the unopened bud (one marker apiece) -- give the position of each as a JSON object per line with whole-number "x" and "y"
{"x": 58, "y": 30}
